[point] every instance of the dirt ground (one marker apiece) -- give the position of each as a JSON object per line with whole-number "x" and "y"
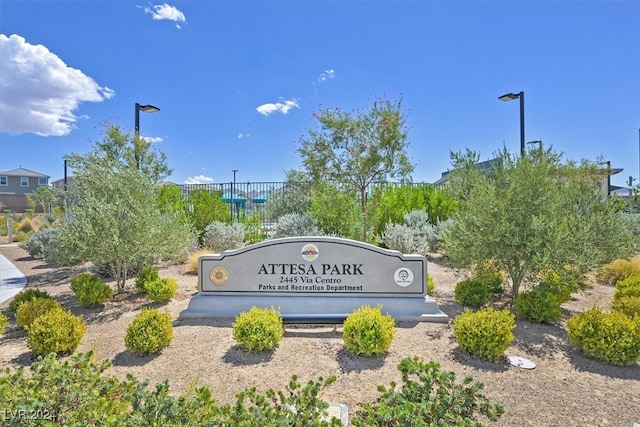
{"x": 564, "y": 389}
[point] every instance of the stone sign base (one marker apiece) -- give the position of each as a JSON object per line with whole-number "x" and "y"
{"x": 305, "y": 309}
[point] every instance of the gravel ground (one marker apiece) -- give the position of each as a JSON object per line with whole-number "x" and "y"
{"x": 565, "y": 388}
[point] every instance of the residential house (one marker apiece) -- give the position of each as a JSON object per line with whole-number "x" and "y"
{"x": 16, "y": 184}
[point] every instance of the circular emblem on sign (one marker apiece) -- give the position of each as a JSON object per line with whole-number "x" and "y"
{"x": 219, "y": 275}
{"x": 310, "y": 252}
{"x": 403, "y": 277}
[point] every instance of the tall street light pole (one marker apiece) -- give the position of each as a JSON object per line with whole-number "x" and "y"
{"x": 511, "y": 97}
{"x": 146, "y": 109}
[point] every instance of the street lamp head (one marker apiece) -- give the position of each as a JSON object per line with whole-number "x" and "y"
{"x": 509, "y": 96}
{"x": 147, "y": 108}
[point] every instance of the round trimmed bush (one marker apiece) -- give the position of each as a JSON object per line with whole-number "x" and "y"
{"x": 629, "y": 306}
{"x": 367, "y": 331}
{"x": 56, "y": 331}
{"x": 150, "y": 332}
{"x": 486, "y": 333}
{"x": 258, "y": 329}
{"x": 4, "y": 321}
{"x": 629, "y": 287}
{"x": 472, "y": 292}
{"x": 26, "y": 295}
{"x": 146, "y": 275}
{"x": 538, "y": 306}
{"x": 161, "y": 290}
{"x": 30, "y": 310}
{"x": 612, "y": 337}
{"x": 90, "y": 290}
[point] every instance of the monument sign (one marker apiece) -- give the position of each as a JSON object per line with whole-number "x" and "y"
{"x": 313, "y": 279}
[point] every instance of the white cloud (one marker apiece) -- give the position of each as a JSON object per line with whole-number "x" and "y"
{"x": 282, "y": 107}
{"x": 39, "y": 91}
{"x": 243, "y": 135}
{"x": 167, "y": 12}
{"x": 200, "y": 179}
{"x": 152, "y": 139}
{"x": 327, "y": 74}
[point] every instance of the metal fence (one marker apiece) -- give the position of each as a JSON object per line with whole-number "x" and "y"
{"x": 252, "y": 198}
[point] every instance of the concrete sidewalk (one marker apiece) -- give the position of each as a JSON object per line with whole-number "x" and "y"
{"x": 12, "y": 280}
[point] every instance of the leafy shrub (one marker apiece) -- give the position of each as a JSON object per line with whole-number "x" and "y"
{"x": 26, "y": 295}
{"x": 559, "y": 285}
{"x": 612, "y": 337}
{"x": 85, "y": 395}
{"x": 29, "y": 311}
{"x": 161, "y": 290}
{"x": 417, "y": 235}
{"x": 56, "y": 331}
{"x": 193, "y": 260}
{"x": 90, "y": 290}
{"x": 489, "y": 275}
{"x": 367, "y": 331}
{"x": 472, "y": 292}
{"x": 204, "y": 208}
{"x": 146, "y": 275}
{"x": 150, "y": 332}
{"x": 221, "y": 237}
{"x": 431, "y": 285}
{"x": 619, "y": 269}
{"x": 629, "y": 287}
{"x": 258, "y": 329}
{"x": 4, "y": 321}
{"x": 428, "y": 397}
{"x": 538, "y": 306}
{"x": 40, "y": 242}
{"x": 295, "y": 224}
{"x": 629, "y": 306}
{"x": 486, "y": 333}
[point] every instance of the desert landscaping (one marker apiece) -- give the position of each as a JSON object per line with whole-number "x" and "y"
{"x": 564, "y": 389}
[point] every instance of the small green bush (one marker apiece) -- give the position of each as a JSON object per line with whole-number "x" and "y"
{"x": 39, "y": 242}
{"x": 559, "y": 285}
{"x": 29, "y": 311}
{"x": 629, "y": 306}
{"x": 258, "y": 329}
{"x": 26, "y": 295}
{"x": 472, "y": 292}
{"x": 490, "y": 276}
{"x": 150, "y": 332}
{"x": 431, "y": 285}
{"x": 146, "y": 275}
{"x": 4, "y": 321}
{"x": 56, "y": 331}
{"x": 428, "y": 397}
{"x": 486, "y": 333}
{"x": 295, "y": 224}
{"x": 90, "y": 290}
{"x": 367, "y": 331}
{"x": 612, "y": 337}
{"x": 538, "y": 306}
{"x": 221, "y": 237}
{"x": 618, "y": 270}
{"x": 629, "y": 287}
{"x": 161, "y": 290}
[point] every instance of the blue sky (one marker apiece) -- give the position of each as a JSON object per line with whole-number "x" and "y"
{"x": 237, "y": 82}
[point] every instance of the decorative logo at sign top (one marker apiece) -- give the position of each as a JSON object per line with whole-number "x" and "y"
{"x": 219, "y": 275}
{"x": 403, "y": 277}
{"x": 310, "y": 252}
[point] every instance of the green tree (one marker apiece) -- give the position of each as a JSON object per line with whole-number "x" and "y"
{"x": 357, "y": 149}
{"x": 335, "y": 210}
{"x": 44, "y": 197}
{"x": 533, "y": 212}
{"x": 294, "y": 197}
{"x": 114, "y": 221}
{"x": 206, "y": 207}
